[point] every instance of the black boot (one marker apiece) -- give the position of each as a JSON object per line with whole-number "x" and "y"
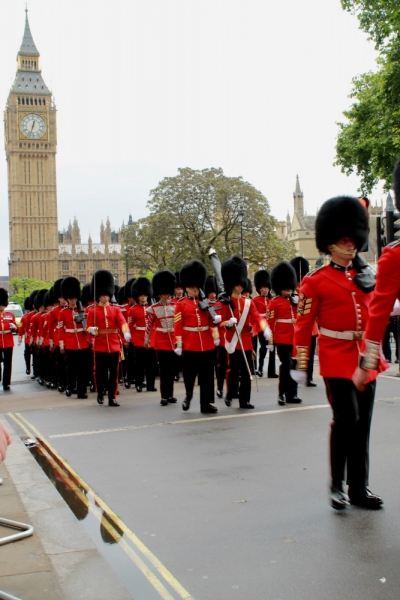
{"x": 281, "y": 400}
{"x": 164, "y": 402}
{"x": 186, "y": 404}
{"x": 113, "y": 403}
{"x": 100, "y": 398}
{"x": 365, "y": 498}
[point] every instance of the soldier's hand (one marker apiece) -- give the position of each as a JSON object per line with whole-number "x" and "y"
{"x": 178, "y": 351}
{"x": 359, "y": 378}
{"x": 217, "y": 319}
{"x": 217, "y": 342}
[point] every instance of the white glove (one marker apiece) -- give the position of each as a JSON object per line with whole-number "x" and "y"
{"x": 267, "y": 333}
{"x": 51, "y": 344}
{"x": 300, "y": 377}
{"x": 13, "y": 326}
{"x": 92, "y": 330}
{"x": 217, "y": 319}
{"x": 232, "y": 321}
{"x": 396, "y": 309}
{"x": 217, "y": 342}
{"x": 19, "y": 341}
{"x": 127, "y": 336}
{"x": 178, "y": 351}
{"x": 270, "y": 347}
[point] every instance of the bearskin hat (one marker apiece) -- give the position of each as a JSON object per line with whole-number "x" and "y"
{"x": 128, "y": 288}
{"x": 301, "y": 266}
{"x": 178, "y": 279}
{"x": 283, "y": 277}
{"x": 51, "y": 295}
{"x": 234, "y": 272}
{"x": 32, "y": 298}
{"x": 3, "y": 297}
{"x": 114, "y": 299}
{"x": 193, "y": 274}
{"x": 396, "y": 184}
{"x": 102, "y": 284}
{"x": 164, "y": 282}
{"x": 27, "y": 304}
{"x": 57, "y": 288}
{"x": 343, "y": 216}
{"x": 121, "y": 296}
{"x": 39, "y": 298}
{"x": 47, "y": 299}
{"x": 70, "y": 288}
{"x": 141, "y": 287}
{"x": 262, "y": 279}
{"x": 248, "y": 287}
{"x": 210, "y": 285}
{"x": 86, "y": 296}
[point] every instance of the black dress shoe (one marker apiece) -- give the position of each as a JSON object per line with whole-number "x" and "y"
{"x": 186, "y": 404}
{"x": 61, "y": 389}
{"x": 295, "y": 400}
{"x": 172, "y": 400}
{"x": 259, "y": 373}
{"x": 33, "y": 377}
{"x": 127, "y": 384}
{"x": 68, "y": 393}
{"x": 273, "y": 376}
{"x": 281, "y": 401}
{"x": 228, "y": 401}
{"x": 339, "y": 499}
{"x": 6, "y": 388}
{"x": 208, "y": 408}
{"x": 365, "y": 498}
{"x": 92, "y": 387}
{"x": 41, "y": 381}
{"x": 28, "y": 371}
{"x": 53, "y": 386}
{"x": 138, "y": 388}
{"x": 164, "y": 402}
{"x": 113, "y": 403}
{"x": 176, "y": 378}
{"x": 311, "y": 383}
{"x": 152, "y": 389}
{"x": 100, "y": 398}
{"x": 248, "y": 405}
{"x": 82, "y": 396}
{"x": 48, "y": 384}
{"x": 219, "y": 393}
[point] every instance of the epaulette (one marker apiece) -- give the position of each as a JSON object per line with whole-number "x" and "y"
{"x": 311, "y": 273}
{"x": 394, "y": 244}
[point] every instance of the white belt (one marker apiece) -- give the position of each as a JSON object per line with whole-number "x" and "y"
{"x": 292, "y": 321}
{"x": 74, "y": 330}
{"x": 196, "y": 328}
{"x": 165, "y": 330}
{"x": 4, "y": 332}
{"x": 140, "y": 328}
{"x": 342, "y": 335}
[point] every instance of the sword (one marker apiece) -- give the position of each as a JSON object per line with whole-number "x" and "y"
{"x": 223, "y": 297}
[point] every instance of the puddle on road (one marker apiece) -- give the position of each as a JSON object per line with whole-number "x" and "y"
{"x": 104, "y": 531}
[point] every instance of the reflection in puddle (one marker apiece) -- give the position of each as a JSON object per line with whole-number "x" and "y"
{"x": 119, "y": 551}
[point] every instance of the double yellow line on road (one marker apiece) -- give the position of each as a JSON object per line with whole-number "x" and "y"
{"x": 76, "y": 482}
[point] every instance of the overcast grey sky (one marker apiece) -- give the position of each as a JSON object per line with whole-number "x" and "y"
{"x": 145, "y": 87}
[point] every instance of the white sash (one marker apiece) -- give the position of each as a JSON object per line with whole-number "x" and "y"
{"x": 231, "y": 346}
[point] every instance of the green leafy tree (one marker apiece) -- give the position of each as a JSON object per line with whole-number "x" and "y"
{"x": 369, "y": 142}
{"x": 197, "y": 210}
{"x": 22, "y": 288}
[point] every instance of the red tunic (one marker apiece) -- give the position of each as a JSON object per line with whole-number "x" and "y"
{"x": 261, "y": 303}
{"x": 25, "y": 324}
{"x": 253, "y": 321}
{"x": 330, "y": 295}
{"x": 160, "y": 326}
{"x": 281, "y": 319}
{"x": 193, "y": 327}
{"x": 110, "y": 324}
{"x": 138, "y": 324}
{"x": 6, "y": 331}
{"x": 35, "y": 321}
{"x": 72, "y": 334}
{"x": 54, "y": 325}
{"x": 386, "y": 291}
{"x": 42, "y": 333}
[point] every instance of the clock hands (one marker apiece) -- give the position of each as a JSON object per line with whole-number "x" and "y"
{"x": 33, "y": 125}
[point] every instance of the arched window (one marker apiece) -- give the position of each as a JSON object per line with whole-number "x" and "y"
{"x": 19, "y": 100}
{"x": 44, "y": 101}
{"x": 23, "y": 100}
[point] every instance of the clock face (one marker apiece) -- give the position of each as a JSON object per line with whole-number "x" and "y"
{"x": 33, "y": 126}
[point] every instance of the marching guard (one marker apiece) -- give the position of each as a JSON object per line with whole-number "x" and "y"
{"x": 262, "y": 283}
{"x": 8, "y": 326}
{"x": 339, "y": 296}
{"x": 145, "y": 358}
{"x": 282, "y": 318}
{"x": 23, "y": 331}
{"x": 105, "y": 323}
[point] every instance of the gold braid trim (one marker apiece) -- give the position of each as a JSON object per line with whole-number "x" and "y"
{"x": 302, "y": 358}
{"x": 215, "y": 333}
{"x": 124, "y": 328}
{"x": 178, "y": 341}
{"x": 371, "y": 357}
{"x": 263, "y": 324}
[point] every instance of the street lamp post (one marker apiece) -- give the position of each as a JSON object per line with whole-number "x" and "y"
{"x": 240, "y": 219}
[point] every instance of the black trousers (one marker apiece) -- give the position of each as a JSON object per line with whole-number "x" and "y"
{"x": 199, "y": 364}
{"x": 237, "y": 367}
{"x": 60, "y": 367}
{"x": 350, "y": 430}
{"x": 130, "y": 363}
{"x": 263, "y": 353}
{"x": 34, "y": 360}
{"x": 106, "y": 373}
{"x": 43, "y": 363}
{"x": 310, "y": 367}
{"x": 76, "y": 361}
{"x": 222, "y": 366}
{"x": 166, "y": 359}
{"x": 27, "y": 356}
{"x": 145, "y": 361}
{"x": 287, "y": 386}
{"x": 6, "y": 355}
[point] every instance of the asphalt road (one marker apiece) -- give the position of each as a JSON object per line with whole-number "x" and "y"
{"x": 234, "y": 507}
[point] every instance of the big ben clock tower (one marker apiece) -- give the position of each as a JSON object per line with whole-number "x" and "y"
{"x": 31, "y": 145}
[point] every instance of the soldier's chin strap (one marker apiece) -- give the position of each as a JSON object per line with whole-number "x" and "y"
{"x": 342, "y": 251}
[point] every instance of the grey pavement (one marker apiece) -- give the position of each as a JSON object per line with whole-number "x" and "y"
{"x": 233, "y": 507}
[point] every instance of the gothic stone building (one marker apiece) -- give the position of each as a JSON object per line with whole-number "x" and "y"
{"x": 37, "y": 249}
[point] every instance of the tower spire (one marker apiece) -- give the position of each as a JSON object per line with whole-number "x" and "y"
{"x": 28, "y": 47}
